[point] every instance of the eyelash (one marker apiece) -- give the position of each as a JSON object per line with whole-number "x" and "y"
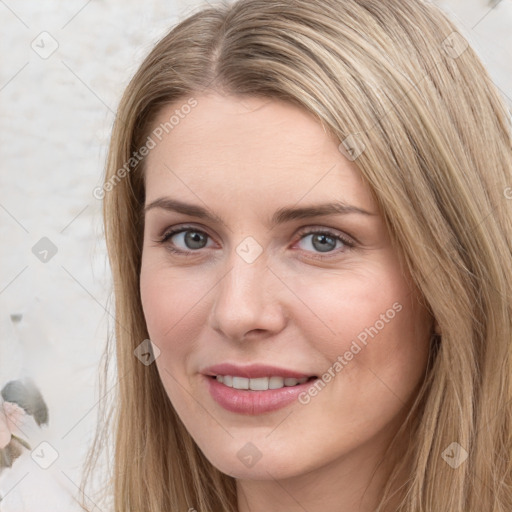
{"x": 349, "y": 244}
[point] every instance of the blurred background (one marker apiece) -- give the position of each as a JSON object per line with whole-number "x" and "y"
{"x": 63, "y": 68}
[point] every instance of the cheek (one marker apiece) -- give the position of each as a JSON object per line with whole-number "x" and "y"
{"x": 373, "y": 321}
{"x": 170, "y": 300}
{"x": 156, "y": 297}
{"x": 175, "y": 305}
{"x": 374, "y": 354}
{"x": 353, "y": 304}
{"x": 171, "y": 305}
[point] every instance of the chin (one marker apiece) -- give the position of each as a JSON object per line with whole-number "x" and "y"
{"x": 248, "y": 464}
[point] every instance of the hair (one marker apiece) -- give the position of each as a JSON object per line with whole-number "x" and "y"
{"x": 396, "y": 80}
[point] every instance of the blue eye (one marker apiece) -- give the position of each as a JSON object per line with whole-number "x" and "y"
{"x": 323, "y": 241}
{"x": 195, "y": 237}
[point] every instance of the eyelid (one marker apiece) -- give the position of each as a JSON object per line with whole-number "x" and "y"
{"x": 336, "y": 233}
{"x": 169, "y": 232}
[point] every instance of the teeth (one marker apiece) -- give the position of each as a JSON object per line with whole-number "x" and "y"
{"x": 259, "y": 383}
{"x": 240, "y": 383}
{"x": 275, "y": 382}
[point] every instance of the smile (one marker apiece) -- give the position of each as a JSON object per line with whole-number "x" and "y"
{"x": 259, "y": 383}
{"x": 258, "y": 395}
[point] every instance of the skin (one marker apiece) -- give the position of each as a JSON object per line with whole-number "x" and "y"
{"x": 243, "y": 159}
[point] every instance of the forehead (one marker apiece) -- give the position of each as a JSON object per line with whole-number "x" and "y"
{"x": 247, "y": 147}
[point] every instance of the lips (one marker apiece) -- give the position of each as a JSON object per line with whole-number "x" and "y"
{"x": 251, "y": 396}
{"x": 253, "y": 402}
{"x": 254, "y": 371}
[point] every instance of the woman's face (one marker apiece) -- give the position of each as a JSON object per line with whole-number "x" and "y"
{"x": 263, "y": 276}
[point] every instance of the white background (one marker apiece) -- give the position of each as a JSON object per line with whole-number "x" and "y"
{"x": 55, "y": 118}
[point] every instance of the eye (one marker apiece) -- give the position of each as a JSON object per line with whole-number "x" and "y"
{"x": 190, "y": 239}
{"x": 323, "y": 240}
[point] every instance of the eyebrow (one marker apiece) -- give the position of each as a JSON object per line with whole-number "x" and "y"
{"x": 282, "y": 215}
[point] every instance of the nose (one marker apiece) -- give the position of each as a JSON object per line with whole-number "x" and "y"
{"x": 248, "y": 300}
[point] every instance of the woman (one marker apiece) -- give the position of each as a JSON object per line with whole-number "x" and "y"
{"x": 306, "y": 212}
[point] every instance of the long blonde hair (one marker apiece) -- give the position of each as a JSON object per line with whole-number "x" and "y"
{"x": 396, "y": 82}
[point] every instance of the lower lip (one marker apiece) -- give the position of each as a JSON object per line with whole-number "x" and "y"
{"x": 254, "y": 402}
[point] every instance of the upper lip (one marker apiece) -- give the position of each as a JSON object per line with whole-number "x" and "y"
{"x": 253, "y": 371}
